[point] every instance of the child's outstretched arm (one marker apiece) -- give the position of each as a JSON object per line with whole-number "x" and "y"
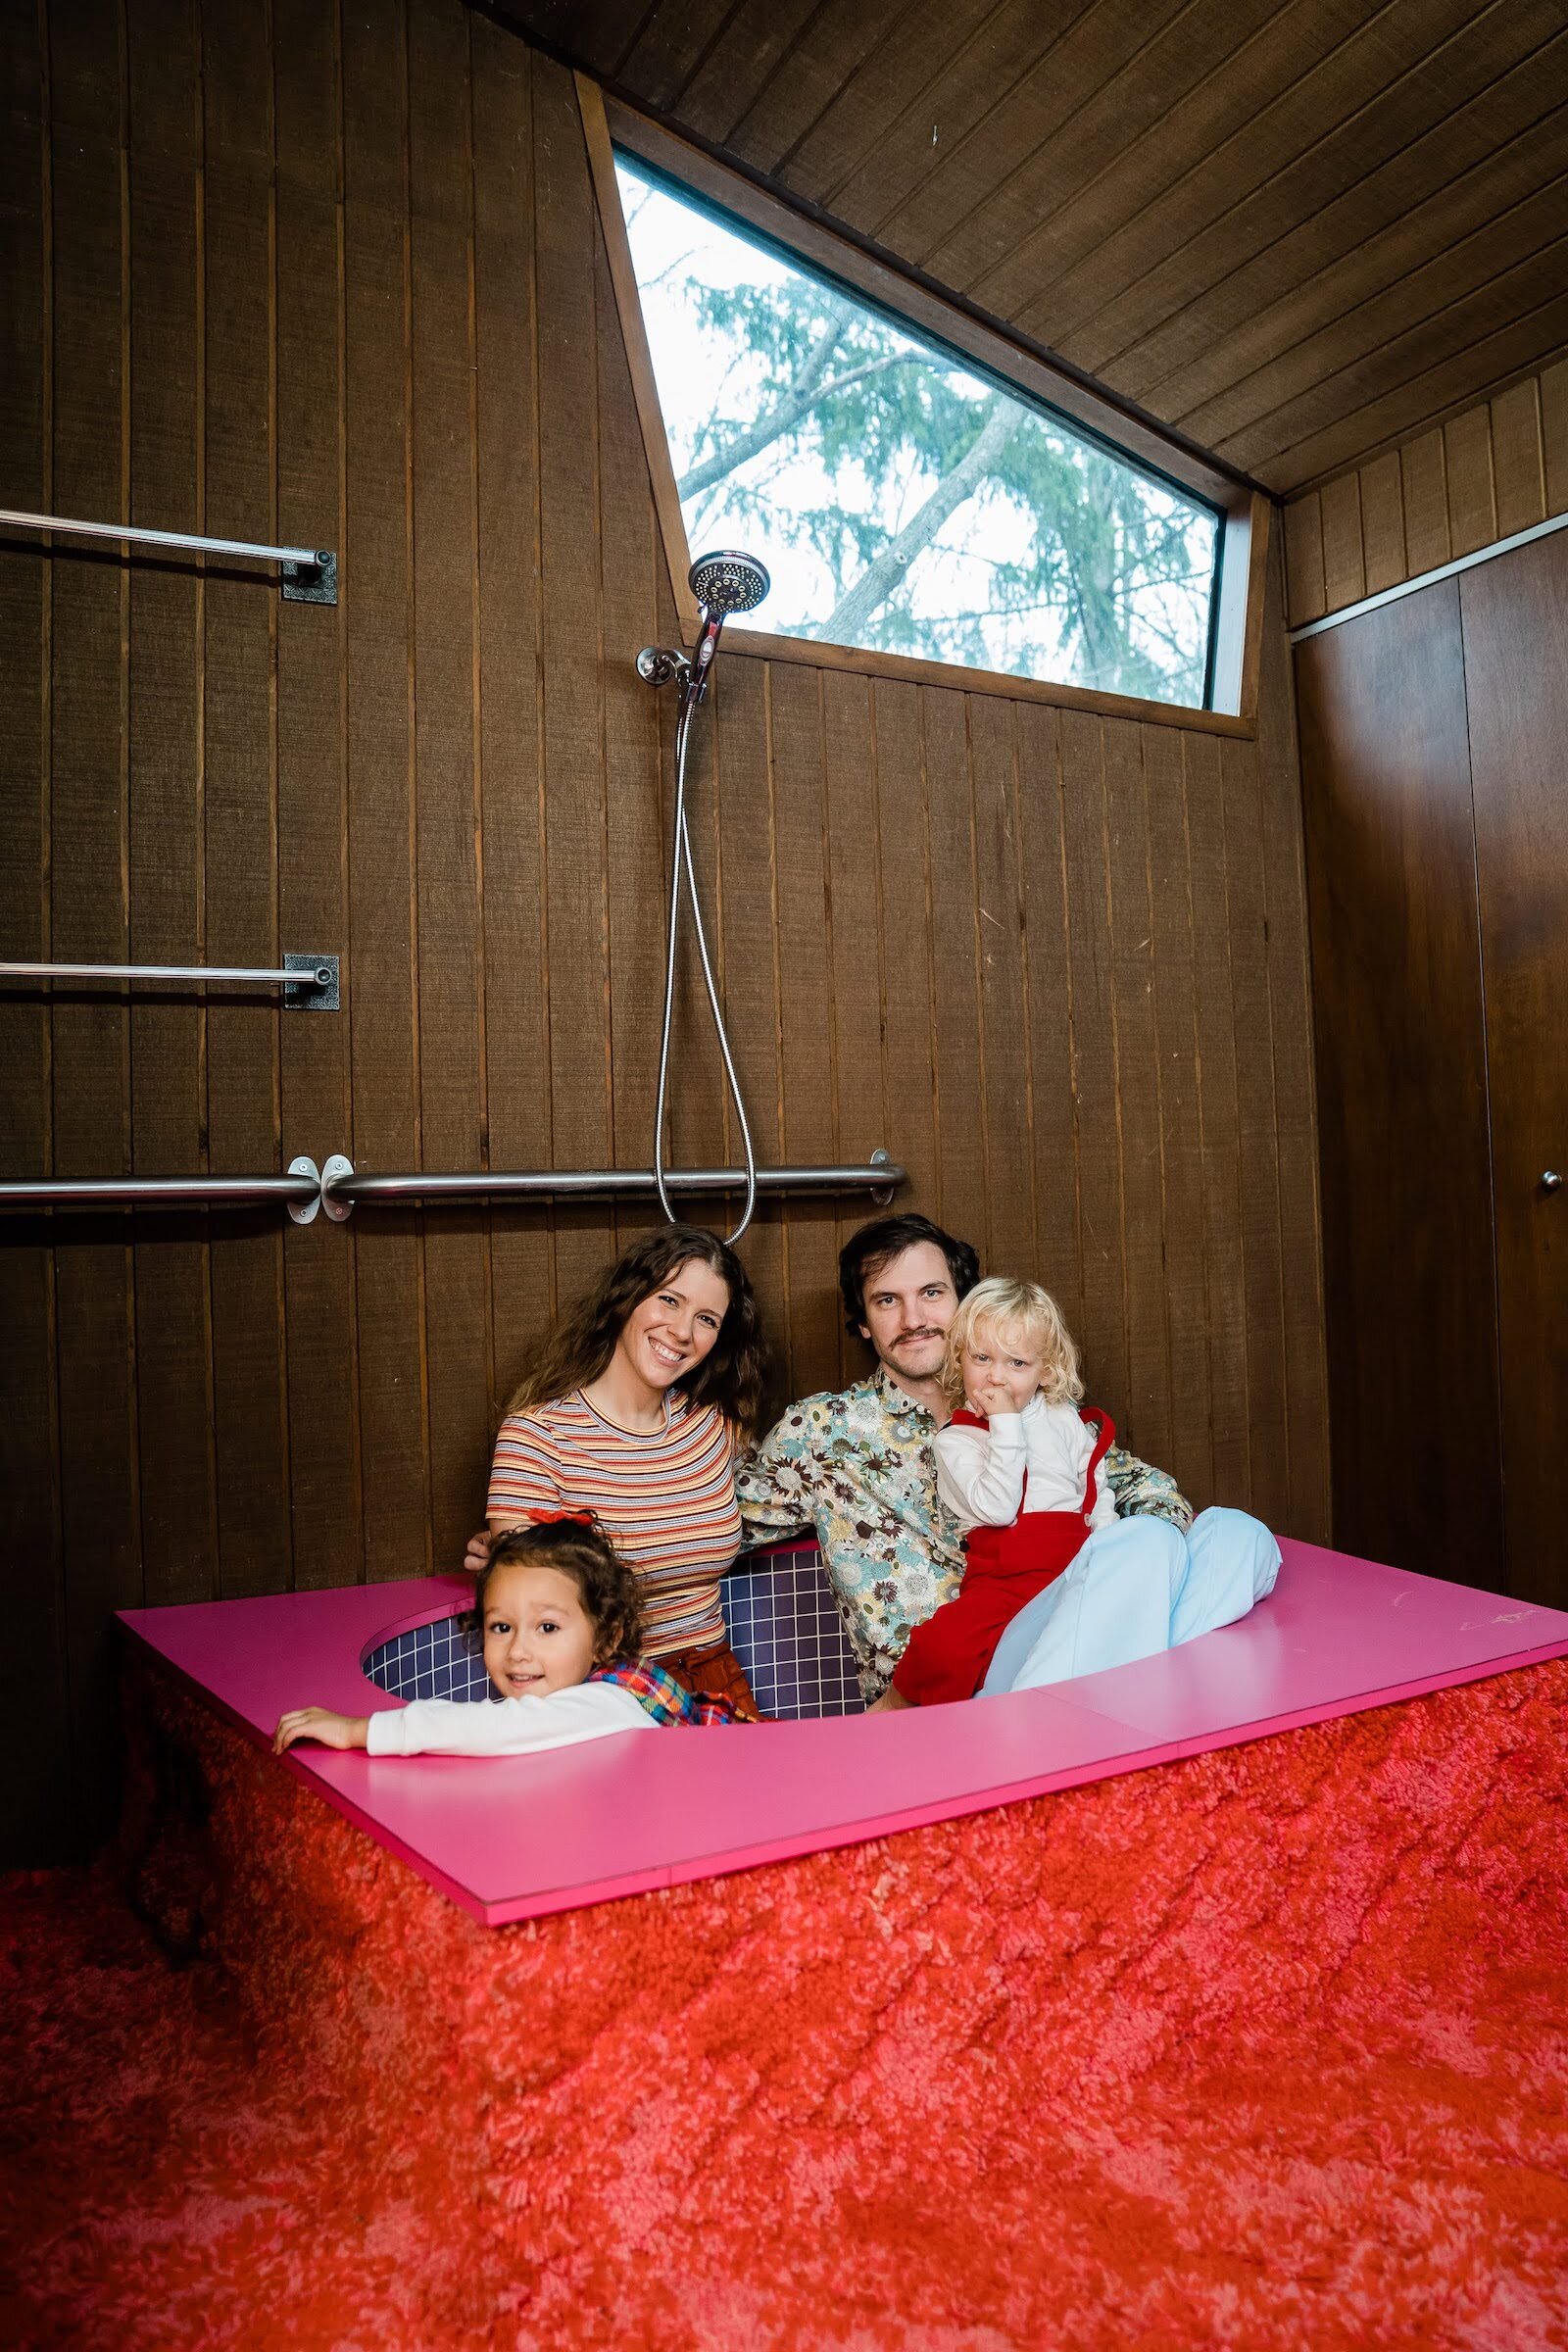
{"x": 320, "y": 1723}
{"x": 980, "y": 1472}
{"x": 451, "y": 1727}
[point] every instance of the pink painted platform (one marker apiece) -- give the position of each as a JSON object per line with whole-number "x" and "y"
{"x": 516, "y": 1838}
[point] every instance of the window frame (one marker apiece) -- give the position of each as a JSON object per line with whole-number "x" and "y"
{"x": 1244, "y": 513}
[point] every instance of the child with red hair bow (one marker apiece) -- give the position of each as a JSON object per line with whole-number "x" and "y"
{"x": 558, "y": 1619}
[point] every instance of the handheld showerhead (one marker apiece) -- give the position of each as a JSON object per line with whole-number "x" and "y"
{"x": 726, "y": 582}
{"x": 723, "y": 582}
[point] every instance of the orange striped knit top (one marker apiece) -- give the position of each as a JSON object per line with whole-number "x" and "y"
{"x": 667, "y": 1500}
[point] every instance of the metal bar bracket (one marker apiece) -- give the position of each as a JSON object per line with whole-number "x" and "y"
{"x": 303, "y": 1212}
{"x": 339, "y": 1211}
{"x": 315, "y": 990}
{"x": 313, "y": 583}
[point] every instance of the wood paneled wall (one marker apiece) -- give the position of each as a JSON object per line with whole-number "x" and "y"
{"x": 345, "y": 285}
{"x": 1487, "y": 473}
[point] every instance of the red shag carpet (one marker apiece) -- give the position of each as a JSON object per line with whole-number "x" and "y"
{"x": 1263, "y": 2049}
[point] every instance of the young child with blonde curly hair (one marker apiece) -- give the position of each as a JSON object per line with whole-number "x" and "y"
{"x": 1018, "y": 1465}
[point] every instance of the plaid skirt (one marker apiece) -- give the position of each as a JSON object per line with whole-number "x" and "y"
{"x": 716, "y": 1672}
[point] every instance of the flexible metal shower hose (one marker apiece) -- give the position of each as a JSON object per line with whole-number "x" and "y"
{"x": 681, "y": 862}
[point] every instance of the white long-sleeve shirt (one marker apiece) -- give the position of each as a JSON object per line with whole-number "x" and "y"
{"x": 506, "y": 1727}
{"x": 980, "y": 1472}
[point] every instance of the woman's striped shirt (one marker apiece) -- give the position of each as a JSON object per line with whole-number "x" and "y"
{"x": 666, "y": 1501}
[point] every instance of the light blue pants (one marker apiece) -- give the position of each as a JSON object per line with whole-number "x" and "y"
{"x": 1136, "y": 1587}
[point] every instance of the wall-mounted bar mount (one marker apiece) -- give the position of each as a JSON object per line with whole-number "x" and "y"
{"x": 308, "y": 575}
{"x": 308, "y": 983}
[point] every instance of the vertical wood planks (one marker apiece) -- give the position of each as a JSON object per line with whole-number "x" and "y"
{"x": 903, "y": 912}
{"x": 88, "y": 857}
{"x": 34, "y": 1809}
{"x": 1487, "y": 473}
{"x": 752, "y": 976}
{"x": 516, "y": 980}
{"x": 635, "y": 850}
{"x": 239, "y": 753}
{"x": 999, "y": 937}
{"x": 806, "y": 1120}
{"x": 1472, "y": 503}
{"x": 381, "y": 750}
{"x": 167, "y": 786}
{"x": 1102, "y": 1333}
{"x": 1257, "y": 1131}
{"x": 321, "y": 1363}
{"x": 955, "y": 988}
{"x": 1174, "y": 973}
{"x": 854, "y": 988}
{"x": 1136, "y": 1065}
{"x": 1381, "y": 522}
{"x": 1518, "y": 469}
{"x": 1295, "y": 1152}
{"x": 1229, "y": 1389}
{"x": 447, "y": 817}
{"x": 1048, "y": 1011}
{"x": 573, "y": 660}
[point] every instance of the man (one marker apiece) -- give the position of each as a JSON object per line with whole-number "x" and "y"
{"x": 857, "y": 1465}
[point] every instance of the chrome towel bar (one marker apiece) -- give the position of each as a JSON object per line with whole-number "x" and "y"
{"x": 342, "y": 1191}
{"x": 339, "y": 1191}
{"x": 308, "y": 983}
{"x": 308, "y": 575}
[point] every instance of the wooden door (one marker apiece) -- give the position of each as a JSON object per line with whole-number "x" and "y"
{"x": 1401, "y": 1091}
{"x": 1515, "y": 613}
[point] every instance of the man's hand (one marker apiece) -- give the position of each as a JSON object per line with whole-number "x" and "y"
{"x": 476, "y": 1559}
{"x": 320, "y": 1723}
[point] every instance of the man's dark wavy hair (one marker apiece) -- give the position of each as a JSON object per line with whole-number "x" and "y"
{"x": 583, "y": 1341}
{"x": 875, "y": 1245}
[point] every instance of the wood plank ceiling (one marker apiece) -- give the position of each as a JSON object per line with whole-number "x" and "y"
{"x": 1296, "y": 230}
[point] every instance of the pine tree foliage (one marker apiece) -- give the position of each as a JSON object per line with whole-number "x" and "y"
{"x": 1072, "y": 557}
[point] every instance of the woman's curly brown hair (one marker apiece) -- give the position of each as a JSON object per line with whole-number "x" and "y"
{"x": 582, "y": 1342}
{"x": 578, "y": 1547}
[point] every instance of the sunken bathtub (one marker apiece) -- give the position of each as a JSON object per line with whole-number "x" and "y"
{"x": 1137, "y": 2009}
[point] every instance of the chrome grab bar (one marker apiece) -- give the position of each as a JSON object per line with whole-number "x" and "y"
{"x": 309, "y": 982}
{"x": 342, "y": 1191}
{"x": 308, "y": 573}
{"x": 336, "y": 1188}
{"x": 300, "y": 1191}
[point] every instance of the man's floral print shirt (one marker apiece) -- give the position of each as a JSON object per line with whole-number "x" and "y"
{"x": 855, "y": 1465}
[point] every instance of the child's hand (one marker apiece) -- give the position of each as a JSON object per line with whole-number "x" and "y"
{"x": 989, "y": 1393}
{"x": 320, "y": 1723}
{"x": 1020, "y": 1386}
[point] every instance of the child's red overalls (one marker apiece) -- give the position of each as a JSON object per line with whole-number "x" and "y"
{"x": 1004, "y": 1567}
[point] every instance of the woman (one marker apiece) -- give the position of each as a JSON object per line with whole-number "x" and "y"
{"x": 634, "y": 1410}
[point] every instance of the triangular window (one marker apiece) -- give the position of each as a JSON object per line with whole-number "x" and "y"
{"x": 904, "y": 499}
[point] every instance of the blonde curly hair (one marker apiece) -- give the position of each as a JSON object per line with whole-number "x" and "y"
{"x": 1019, "y": 1311}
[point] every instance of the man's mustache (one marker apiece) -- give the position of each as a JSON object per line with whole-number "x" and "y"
{"x": 926, "y": 1333}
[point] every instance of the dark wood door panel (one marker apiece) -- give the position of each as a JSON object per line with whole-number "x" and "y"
{"x": 1402, "y": 1092}
{"x": 1517, "y": 676}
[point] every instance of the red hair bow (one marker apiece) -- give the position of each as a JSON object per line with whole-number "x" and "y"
{"x": 561, "y": 1518}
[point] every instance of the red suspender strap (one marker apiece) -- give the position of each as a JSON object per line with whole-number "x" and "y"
{"x": 1091, "y": 1413}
